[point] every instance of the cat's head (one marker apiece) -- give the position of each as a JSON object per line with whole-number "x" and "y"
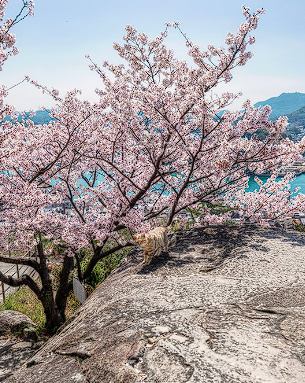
{"x": 139, "y": 239}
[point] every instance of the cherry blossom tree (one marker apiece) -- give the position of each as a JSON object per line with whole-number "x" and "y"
{"x": 152, "y": 147}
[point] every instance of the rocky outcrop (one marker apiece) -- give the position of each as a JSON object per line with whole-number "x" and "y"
{"x": 15, "y": 350}
{"x": 14, "y": 322}
{"x": 225, "y": 305}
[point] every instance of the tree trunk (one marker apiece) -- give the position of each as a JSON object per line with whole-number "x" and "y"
{"x": 54, "y": 317}
{"x": 65, "y": 286}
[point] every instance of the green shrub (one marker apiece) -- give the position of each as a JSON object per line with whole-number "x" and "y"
{"x": 104, "y": 267}
{"x": 299, "y": 227}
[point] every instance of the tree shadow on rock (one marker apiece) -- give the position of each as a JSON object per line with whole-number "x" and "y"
{"x": 223, "y": 242}
{"x": 156, "y": 263}
{"x": 293, "y": 237}
{"x": 211, "y": 246}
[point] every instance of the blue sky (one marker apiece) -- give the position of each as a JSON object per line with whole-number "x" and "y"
{"x": 54, "y": 42}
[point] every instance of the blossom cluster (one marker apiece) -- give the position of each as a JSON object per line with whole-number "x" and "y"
{"x": 153, "y": 146}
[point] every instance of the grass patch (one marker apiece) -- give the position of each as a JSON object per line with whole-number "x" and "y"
{"x": 26, "y": 302}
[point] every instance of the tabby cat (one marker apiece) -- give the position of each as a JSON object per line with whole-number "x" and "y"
{"x": 152, "y": 242}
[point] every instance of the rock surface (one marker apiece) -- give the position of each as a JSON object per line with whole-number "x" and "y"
{"x": 225, "y": 305}
{"x": 14, "y": 352}
{"x": 30, "y": 335}
{"x": 13, "y": 321}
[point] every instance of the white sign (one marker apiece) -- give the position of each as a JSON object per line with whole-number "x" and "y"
{"x": 79, "y": 290}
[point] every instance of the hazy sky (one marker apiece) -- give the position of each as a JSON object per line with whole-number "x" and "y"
{"x": 54, "y": 42}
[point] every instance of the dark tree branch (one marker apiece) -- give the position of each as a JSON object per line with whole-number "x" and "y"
{"x": 100, "y": 255}
{"x": 23, "y": 280}
{"x": 21, "y": 261}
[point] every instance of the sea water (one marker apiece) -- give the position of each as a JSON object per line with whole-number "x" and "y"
{"x": 299, "y": 181}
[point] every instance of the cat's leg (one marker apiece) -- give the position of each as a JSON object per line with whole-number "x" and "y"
{"x": 147, "y": 257}
{"x": 158, "y": 250}
{"x": 145, "y": 261}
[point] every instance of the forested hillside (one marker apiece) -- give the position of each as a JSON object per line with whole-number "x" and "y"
{"x": 284, "y": 104}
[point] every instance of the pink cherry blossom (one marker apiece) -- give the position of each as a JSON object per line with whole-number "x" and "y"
{"x": 151, "y": 150}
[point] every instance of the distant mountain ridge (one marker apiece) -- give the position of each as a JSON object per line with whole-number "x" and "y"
{"x": 41, "y": 117}
{"x": 284, "y": 104}
{"x": 291, "y": 105}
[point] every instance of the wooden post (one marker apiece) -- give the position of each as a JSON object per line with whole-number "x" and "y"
{"x": 17, "y": 269}
{"x": 3, "y": 292}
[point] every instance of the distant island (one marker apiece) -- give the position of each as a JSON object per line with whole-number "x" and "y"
{"x": 291, "y": 105}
